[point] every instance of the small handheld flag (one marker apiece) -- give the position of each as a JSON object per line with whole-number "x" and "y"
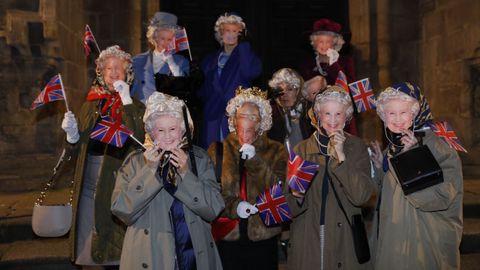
{"x": 88, "y": 40}
{"x": 443, "y": 130}
{"x": 180, "y": 42}
{"x": 111, "y": 132}
{"x": 53, "y": 91}
{"x": 300, "y": 172}
{"x": 362, "y": 94}
{"x": 342, "y": 81}
{"x": 272, "y": 206}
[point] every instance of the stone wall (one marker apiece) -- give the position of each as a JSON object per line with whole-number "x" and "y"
{"x": 450, "y": 68}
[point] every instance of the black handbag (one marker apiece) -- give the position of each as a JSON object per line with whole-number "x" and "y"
{"x": 359, "y": 234}
{"x": 417, "y": 169}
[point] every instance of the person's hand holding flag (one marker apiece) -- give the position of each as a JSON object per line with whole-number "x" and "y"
{"x": 70, "y": 126}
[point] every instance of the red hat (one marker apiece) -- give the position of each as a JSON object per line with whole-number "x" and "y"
{"x": 326, "y": 25}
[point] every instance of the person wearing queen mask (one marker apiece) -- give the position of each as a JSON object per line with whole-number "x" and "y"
{"x": 234, "y": 64}
{"x": 96, "y": 236}
{"x": 166, "y": 206}
{"x": 320, "y": 235}
{"x": 251, "y": 163}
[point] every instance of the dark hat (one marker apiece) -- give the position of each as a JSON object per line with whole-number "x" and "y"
{"x": 326, "y": 25}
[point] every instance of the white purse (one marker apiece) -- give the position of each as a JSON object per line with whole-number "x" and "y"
{"x": 52, "y": 220}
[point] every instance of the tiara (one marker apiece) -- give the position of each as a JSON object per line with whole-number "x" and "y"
{"x": 254, "y": 91}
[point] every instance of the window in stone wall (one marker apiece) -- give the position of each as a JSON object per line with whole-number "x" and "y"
{"x": 35, "y": 38}
{"x": 475, "y": 83}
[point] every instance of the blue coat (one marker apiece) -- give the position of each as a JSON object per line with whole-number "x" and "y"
{"x": 242, "y": 68}
{"x": 144, "y": 81}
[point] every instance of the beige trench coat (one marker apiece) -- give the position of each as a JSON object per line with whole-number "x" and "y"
{"x": 354, "y": 186}
{"x": 140, "y": 201}
{"x": 422, "y": 230}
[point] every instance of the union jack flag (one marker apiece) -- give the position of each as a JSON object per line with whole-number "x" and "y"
{"x": 87, "y": 40}
{"x": 53, "y": 91}
{"x": 443, "y": 130}
{"x": 300, "y": 172}
{"x": 180, "y": 42}
{"x": 362, "y": 94}
{"x": 342, "y": 81}
{"x": 111, "y": 132}
{"x": 272, "y": 206}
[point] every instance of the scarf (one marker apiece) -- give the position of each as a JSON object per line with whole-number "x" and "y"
{"x": 112, "y": 103}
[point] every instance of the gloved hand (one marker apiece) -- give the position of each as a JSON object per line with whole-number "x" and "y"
{"x": 174, "y": 68}
{"x": 332, "y": 56}
{"x": 245, "y": 209}
{"x": 123, "y": 90}
{"x": 70, "y": 126}
{"x": 248, "y": 151}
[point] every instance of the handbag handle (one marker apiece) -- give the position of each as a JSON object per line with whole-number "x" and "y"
{"x": 51, "y": 181}
{"x": 338, "y": 199}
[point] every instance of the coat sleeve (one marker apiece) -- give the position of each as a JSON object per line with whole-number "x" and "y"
{"x": 354, "y": 173}
{"x": 439, "y": 197}
{"x": 136, "y": 185}
{"x": 250, "y": 64}
{"x": 201, "y": 194}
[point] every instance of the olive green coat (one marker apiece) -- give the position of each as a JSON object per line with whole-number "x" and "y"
{"x": 421, "y": 230}
{"x": 109, "y": 231}
{"x": 354, "y": 186}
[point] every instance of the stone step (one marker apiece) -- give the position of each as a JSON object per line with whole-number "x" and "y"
{"x": 471, "y": 236}
{"x": 471, "y": 198}
{"x": 40, "y": 254}
{"x": 470, "y": 261}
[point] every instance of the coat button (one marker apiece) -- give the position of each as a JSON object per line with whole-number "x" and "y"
{"x": 195, "y": 199}
{"x": 144, "y": 265}
{"x": 143, "y": 82}
{"x": 339, "y": 224}
{"x": 138, "y": 187}
{"x": 145, "y": 231}
{"x": 339, "y": 265}
{"x": 211, "y": 244}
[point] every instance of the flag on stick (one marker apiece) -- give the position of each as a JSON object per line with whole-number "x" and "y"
{"x": 342, "y": 81}
{"x": 300, "y": 172}
{"x": 272, "y": 206}
{"x": 88, "y": 40}
{"x": 443, "y": 130}
{"x": 362, "y": 94}
{"x": 111, "y": 132}
{"x": 180, "y": 42}
{"x": 53, "y": 91}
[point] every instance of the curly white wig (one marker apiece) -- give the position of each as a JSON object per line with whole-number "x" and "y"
{"x": 115, "y": 52}
{"x": 338, "y": 40}
{"x": 334, "y": 93}
{"x": 263, "y": 106}
{"x": 288, "y": 76}
{"x": 227, "y": 18}
{"x": 390, "y": 94}
{"x": 160, "y": 104}
{"x": 153, "y": 30}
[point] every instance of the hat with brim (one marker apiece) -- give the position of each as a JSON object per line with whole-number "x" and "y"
{"x": 164, "y": 19}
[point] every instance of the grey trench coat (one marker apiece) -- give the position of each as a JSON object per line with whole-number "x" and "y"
{"x": 140, "y": 201}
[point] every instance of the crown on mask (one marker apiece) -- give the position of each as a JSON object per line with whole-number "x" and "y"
{"x": 253, "y": 91}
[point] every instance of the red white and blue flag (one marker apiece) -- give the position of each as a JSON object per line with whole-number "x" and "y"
{"x": 443, "y": 130}
{"x": 88, "y": 40}
{"x": 342, "y": 81}
{"x": 272, "y": 206}
{"x": 300, "y": 172}
{"x": 362, "y": 94}
{"x": 180, "y": 42}
{"x": 53, "y": 91}
{"x": 111, "y": 132}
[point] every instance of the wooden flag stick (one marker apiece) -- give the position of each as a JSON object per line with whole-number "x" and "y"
{"x": 135, "y": 139}
{"x": 63, "y": 90}
{"x": 94, "y": 39}
{"x": 188, "y": 43}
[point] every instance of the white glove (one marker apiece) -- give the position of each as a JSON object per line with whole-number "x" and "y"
{"x": 123, "y": 90}
{"x": 245, "y": 209}
{"x": 174, "y": 68}
{"x": 332, "y": 56}
{"x": 248, "y": 151}
{"x": 70, "y": 126}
